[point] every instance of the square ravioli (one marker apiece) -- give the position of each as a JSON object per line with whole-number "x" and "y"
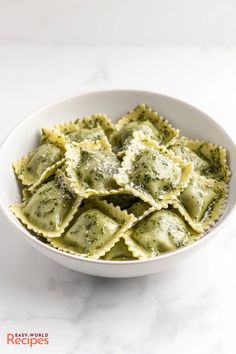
{"x": 99, "y": 120}
{"x": 208, "y": 159}
{"x": 43, "y": 161}
{"x": 202, "y": 202}
{"x": 49, "y": 210}
{"x": 95, "y": 230}
{"x": 145, "y": 120}
{"x": 90, "y": 128}
{"x": 90, "y": 167}
{"x": 160, "y": 232}
{"x": 152, "y": 173}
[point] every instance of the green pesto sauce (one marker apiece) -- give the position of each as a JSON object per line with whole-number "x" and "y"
{"x": 96, "y": 170}
{"x": 48, "y": 207}
{"x": 163, "y": 131}
{"x": 200, "y": 164}
{"x": 215, "y": 169}
{"x": 161, "y": 231}
{"x": 98, "y": 121}
{"x": 91, "y": 231}
{"x": 205, "y": 162}
{"x": 43, "y": 157}
{"x": 92, "y": 134}
{"x": 138, "y": 208}
{"x": 125, "y": 135}
{"x": 197, "y": 198}
{"x": 155, "y": 173}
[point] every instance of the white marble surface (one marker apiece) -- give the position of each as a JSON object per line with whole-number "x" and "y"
{"x": 190, "y": 309}
{"x": 112, "y": 22}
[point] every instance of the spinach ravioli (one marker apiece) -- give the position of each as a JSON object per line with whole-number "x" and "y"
{"x": 49, "y": 210}
{"x": 43, "y": 161}
{"x": 122, "y": 192}
{"x": 152, "y": 173}
{"x": 159, "y": 232}
{"x": 90, "y": 167}
{"x": 202, "y": 202}
{"x": 96, "y": 229}
{"x": 145, "y": 120}
{"x": 209, "y": 160}
{"x": 90, "y": 128}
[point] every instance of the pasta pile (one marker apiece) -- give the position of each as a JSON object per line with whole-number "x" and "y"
{"x": 121, "y": 192}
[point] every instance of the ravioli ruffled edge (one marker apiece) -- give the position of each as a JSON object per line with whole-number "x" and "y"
{"x": 72, "y": 158}
{"x": 101, "y": 120}
{"x": 195, "y": 145}
{"x": 17, "y": 210}
{"x": 124, "y": 219}
{"x": 218, "y": 205}
{"x": 159, "y": 122}
{"x": 48, "y": 136}
{"x": 122, "y": 177}
{"x": 140, "y": 253}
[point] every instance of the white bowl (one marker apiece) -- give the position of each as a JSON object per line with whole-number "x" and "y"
{"x": 191, "y": 122}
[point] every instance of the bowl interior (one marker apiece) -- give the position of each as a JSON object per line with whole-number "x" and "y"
{"x": 191, "y": 122}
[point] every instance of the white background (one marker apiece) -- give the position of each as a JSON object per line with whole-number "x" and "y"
{"x": 51, "y": 49}
{"x": 119, "y": 22}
